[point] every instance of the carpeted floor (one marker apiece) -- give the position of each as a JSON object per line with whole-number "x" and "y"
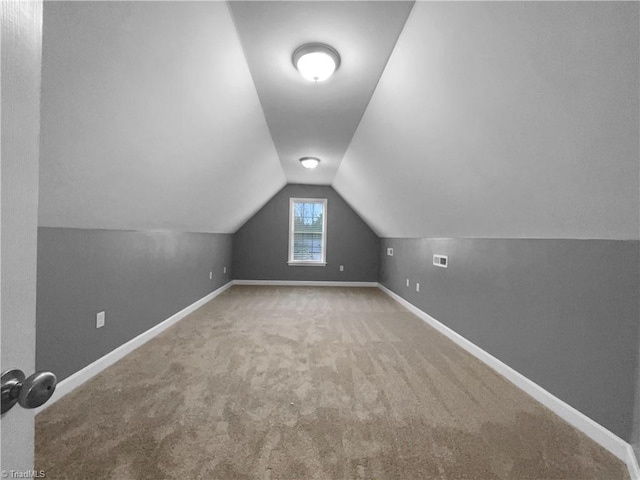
{"x": 307, "y": 383}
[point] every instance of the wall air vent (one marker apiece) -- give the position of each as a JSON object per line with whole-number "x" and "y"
{"x": 441, "y": 261}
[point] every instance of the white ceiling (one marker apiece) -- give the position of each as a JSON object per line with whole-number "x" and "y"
{"x": 150, "y": 119}
{"x": 307, "y": 119}
{"x": 472, "y": 119}
{"x": 504, "y": 119}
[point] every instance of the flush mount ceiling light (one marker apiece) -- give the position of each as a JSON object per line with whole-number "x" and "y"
{"x": 316, "y": 61}
{"x": 309, "y": 162}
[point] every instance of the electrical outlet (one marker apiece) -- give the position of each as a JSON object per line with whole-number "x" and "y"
{"x": 417, "y": 287}
{"x": 100, "y": 320}
{"x": 390, "y": 252}
{"x": 407, "y": 282}
{"x": 441, "y": 261}
{"x": 342, "y": 268}
{"x": 210, "y": 275}
{"x": 224, "y": 269}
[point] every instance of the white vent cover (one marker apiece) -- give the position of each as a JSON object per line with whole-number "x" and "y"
{"x": 441, "y": 261}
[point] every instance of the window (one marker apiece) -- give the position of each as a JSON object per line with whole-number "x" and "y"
{"x": 307, "y": 231}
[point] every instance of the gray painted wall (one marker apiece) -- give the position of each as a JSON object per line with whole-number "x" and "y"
{"x": 564, "y": 313}
{"x": 261, "y": 245}
{"x": 139, "y": 278}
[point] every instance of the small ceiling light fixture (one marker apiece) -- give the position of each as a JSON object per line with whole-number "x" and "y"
{"x": 309, "y": 162}
{"x": 316, "y": 61}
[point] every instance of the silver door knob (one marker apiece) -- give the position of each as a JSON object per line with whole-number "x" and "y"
{"x": 29, "y": 393}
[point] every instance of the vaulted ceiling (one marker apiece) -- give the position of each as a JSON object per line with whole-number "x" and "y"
{"x": 316, "y": 119}
{"x": 505, "y": 119}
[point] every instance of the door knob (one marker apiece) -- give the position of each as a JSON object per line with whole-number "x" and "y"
{"x": 29, "y": 393}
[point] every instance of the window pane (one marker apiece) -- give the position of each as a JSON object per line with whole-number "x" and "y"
{"x": 308, "y": 217}
{"x": 308, "y": 231}
{"x": 307, "y": 246}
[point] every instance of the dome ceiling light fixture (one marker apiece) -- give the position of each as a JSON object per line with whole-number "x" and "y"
{"x": 316, "y": 61}
{"x": 309, "y": 162}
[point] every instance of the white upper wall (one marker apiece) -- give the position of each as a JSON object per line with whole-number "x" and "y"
{"x": 150, "y": 119}
{"x": 506, "y": 119}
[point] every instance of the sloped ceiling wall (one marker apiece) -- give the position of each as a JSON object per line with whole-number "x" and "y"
{"x": 505, "y": 119}
{"x": 150, "y": 119}
{"x": 491, "y": 119}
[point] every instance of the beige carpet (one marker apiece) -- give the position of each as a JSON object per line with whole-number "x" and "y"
{"x": 307, "y": 383}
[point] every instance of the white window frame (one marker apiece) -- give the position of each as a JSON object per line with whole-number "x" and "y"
{"x": 310, "y": 263}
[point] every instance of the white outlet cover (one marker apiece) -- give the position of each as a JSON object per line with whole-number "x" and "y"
{"x": 100, "y": 320}
{"x": 417, "y": 287}
{"x": 210, "y": 275}
{"x": 407, "y": 282}
{"x": 342, "y": 268}
{"x": 390, "y": 252}
{"x": 224, "y": 269}
{"x": 441, "y": 261}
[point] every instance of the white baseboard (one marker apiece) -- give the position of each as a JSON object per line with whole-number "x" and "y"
{"x": 592, "y": 429}
{"x": 304, "y": 283}
{"x": 74, "y": 381}
{"x": 632, "y": 463}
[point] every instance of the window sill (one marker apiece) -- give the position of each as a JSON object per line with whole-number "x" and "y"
{"x": 307, "y": 264}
